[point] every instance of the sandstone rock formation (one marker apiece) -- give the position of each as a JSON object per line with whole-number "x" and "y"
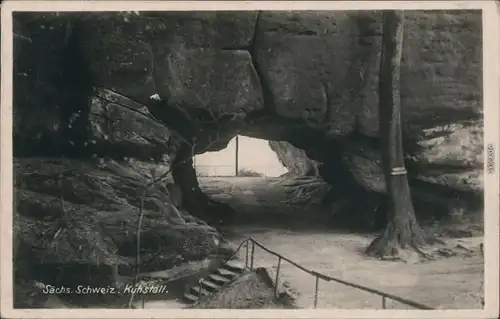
{"x": 85, "y": 213}
{"x": 162, "y": 86}
{"x": 257, "y": 67}
{"x": 294, "y": 159}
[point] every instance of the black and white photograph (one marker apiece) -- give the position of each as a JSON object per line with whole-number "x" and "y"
{"x": 249, "y": 158}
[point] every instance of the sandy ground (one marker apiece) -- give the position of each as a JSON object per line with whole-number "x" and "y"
{"x": 304, "y": 236}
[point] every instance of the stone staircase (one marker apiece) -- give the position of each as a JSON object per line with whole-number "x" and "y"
{"x": 215, "y": 281}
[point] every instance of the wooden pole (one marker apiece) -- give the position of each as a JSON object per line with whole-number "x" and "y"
{"x": 252, "y": 256}
{"x": 277, "y": 277}
{"x": 316, "y": 293}
{"x": 246, "y": 255}
{"x": 236, "y": 156}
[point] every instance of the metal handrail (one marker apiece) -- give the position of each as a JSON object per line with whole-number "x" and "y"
{"x": 318, "y": 276}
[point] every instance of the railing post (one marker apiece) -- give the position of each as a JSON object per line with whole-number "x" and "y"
{"x": 250, "y": 264}
{"x": 246, "y": 255}
{"x": 252, "y": 256}
{"x": 316, "y": 292}
{"x": 277, "y": 277}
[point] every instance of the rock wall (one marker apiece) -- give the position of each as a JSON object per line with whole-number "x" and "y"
{"x": 268, "y": 71}
{"x": 312, "y": 71}
{"x": 77, "y": 218}
{"x": 294, "y": 159}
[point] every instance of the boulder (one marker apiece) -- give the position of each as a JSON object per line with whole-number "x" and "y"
{"x": 80, "y": 215}
{"x": 120, "y": 127}
{"x": 192, "y": 60}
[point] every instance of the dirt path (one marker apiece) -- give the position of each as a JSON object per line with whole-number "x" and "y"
{"x": 304, "y": 236}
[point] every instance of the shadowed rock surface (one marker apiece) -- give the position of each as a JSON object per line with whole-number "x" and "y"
{"x": 313, "y": 73}
{"x": 86, "y": 213}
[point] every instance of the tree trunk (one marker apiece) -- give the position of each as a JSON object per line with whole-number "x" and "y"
{"x": 402, "y": 230}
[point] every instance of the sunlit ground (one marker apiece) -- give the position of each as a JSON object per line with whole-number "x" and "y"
{"x": 304, "y": 237}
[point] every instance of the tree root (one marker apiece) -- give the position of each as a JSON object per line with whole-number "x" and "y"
{"x": 304, "y": 183}
{"x": 422, "y": 253}
{"x": 393, "y": 242}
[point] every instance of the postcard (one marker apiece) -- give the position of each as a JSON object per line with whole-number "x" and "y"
{"x": 250, "y": 159}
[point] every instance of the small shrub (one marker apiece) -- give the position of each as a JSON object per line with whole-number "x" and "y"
{"x": 245, "y": 172}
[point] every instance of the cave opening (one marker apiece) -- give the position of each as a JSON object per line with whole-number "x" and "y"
{"x": 244, "y": 156}
{"x": 250, "y": 181}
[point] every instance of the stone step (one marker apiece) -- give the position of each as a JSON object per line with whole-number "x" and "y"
{"x": 210, "y": 285}
{"x": 219, "y": 279}
{"x": 235, "y": 265}
{"x": 196, "y": 291}
{"x": 227, "y": 273}
{"x": 190, "y": 297}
